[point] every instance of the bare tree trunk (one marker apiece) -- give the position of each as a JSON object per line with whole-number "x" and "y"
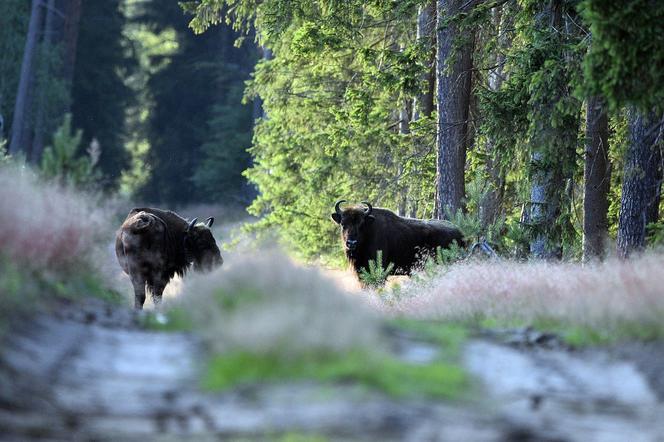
{"x": 71, "y": 30}
{"x": 596, "y": 180}
{"x": 47, "y": 41}
{"x": 21, "y": 106}
{"x": 641, "y": 180}
{"x": 404, "y": 129}
{"x": 426, "y": 24}
{"x": 453, "y": 99}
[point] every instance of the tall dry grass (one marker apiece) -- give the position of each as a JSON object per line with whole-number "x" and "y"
{"x": 50, "y": 236}
{"x": 44, "y": 225}
{"x": 598, "y": 295}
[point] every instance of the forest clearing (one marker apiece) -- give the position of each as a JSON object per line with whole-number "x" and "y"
{"x": 419, "y": 220}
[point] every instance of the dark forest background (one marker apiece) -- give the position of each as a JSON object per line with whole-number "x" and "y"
{"x": 160, "y": 107}
{"x": 535, "y": 124}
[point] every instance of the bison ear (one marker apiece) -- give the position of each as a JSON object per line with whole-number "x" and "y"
{"x": 192, "y": 224}
{"x": 209, "y": 222}
{"x": 369, "y": 219}
{"x": 336, "y": 218}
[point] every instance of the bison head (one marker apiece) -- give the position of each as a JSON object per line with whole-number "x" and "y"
{"x": 354, "y": 222}
{"x": 200, "y": 246}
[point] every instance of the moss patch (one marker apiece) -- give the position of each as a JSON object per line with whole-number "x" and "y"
{"x": 380, "y": 372}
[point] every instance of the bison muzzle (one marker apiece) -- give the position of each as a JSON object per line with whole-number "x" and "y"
{"x": 153, "y": 245}
{"x": 405, "y": 242}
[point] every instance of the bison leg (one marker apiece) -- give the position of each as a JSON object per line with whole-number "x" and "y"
{"x": 139, "y": 292}
{"x": 157, "y": 290}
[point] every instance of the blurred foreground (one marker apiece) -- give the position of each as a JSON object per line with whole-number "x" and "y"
{"x": 269, "y": 349}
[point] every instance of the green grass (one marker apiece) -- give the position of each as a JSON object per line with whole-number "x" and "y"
{"x": 177, "y": 319}
{"x": 383, "y": 373}
{"x": 22, "y": 290}
{"x": 448, "y": 335}
{"x": 609, "y": 332}
{"x": 442, "y": 378}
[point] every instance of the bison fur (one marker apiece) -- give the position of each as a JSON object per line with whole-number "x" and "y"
{"x": 153, "y": 245}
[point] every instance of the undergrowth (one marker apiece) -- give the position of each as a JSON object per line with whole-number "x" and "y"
{"x": 52, "y": 243}
{"x": 594, "y": 304}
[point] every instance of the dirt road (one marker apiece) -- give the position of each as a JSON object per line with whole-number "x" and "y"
{"x": 91, "y": 373}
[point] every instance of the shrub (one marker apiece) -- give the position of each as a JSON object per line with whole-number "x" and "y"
{"x": 50, "y": 239}
{"x": 376, "y": 274}
{"x": 63, "y": 162}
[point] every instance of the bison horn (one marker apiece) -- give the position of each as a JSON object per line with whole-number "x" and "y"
{"x": 209, "y": 222}
{"x": 369, "y": 207}
{"x": 336, "y": 206}
{"x": 192, "y": 224}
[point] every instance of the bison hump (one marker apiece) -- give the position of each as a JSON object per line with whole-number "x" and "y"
{"x": 140, "y": 222}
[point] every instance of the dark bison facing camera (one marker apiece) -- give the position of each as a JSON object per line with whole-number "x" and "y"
{"x": 154, "y": 245}
{"x": 405, "y": 242}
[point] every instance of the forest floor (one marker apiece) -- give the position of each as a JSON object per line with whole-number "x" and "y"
{"x": 90, "y": 371}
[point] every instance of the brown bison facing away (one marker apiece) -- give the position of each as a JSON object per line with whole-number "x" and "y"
{"x": 405, "y": 242}
{"x": 154, "y": 245}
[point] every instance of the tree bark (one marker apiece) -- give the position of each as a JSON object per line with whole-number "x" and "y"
{"x": 453, "y": 98}
{"x": 21, "y": 106}
{"x": 72, "y": 26}
{"x": 47, "y": 41}
{"x": 596, "y": 180}
{"x": 404, "y": 129}
{"x": 641, "y": 180}
{"x": 426, "y": 36}
{"x": 552, "y": 148}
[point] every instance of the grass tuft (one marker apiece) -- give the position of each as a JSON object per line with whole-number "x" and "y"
{"x": 386, "y": 374}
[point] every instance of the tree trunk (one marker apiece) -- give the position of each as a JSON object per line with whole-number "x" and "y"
{"x": 641, "y": 180}
{"x": 426, "y": 21}
{"x": 453, "y": 96}
{"x": 46, "y": 46}
{"x": 21, "y": 106}
{"x": 72, "y": 26}
{"x": 596, "y": 180}
{"x": 492, "y": 199}
{"x": 404, "y": 129}
{"x": 552, "y": 148}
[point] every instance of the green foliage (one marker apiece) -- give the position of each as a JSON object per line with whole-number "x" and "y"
{"x": 386, "y": 374}
{"x": 340, "y": 74}
{"x": 376, "y": 274}
{"x": 655, "y": 234}
{"x": 63, "y": 161}
{"x": 201, "y": 158}
{"x": 625, "y": 63}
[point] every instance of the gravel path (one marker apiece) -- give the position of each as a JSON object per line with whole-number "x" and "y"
{"x": 90, "y": 373}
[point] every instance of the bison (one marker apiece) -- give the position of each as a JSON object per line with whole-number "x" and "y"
{"x": 153, "y": 245}
{"x": 405, "y": 242}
